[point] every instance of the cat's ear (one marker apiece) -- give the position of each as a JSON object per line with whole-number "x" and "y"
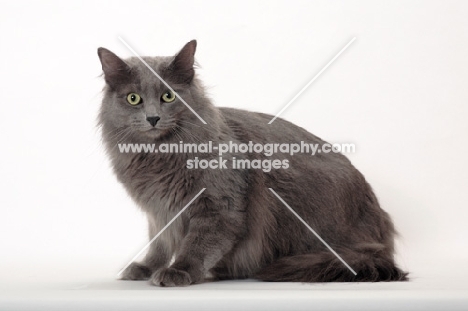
{"x": 182, "y": 65}
{"x": 116, "y": 71}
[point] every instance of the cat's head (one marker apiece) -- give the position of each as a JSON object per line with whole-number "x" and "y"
{"x": 138, "y": 105}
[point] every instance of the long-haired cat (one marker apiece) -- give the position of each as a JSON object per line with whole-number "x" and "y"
{"x": 236, "y": 228}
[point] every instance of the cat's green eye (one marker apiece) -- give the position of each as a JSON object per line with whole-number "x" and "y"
{"x": 168, "y": 97}
{"x": 133, "y": 99}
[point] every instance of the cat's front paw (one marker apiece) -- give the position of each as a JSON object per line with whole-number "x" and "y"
{"x": 136, "y": 271}
{"x": 171, "y": 277}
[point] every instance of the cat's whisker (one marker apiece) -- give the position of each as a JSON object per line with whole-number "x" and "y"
{"x": 182, "y": 135}
{"x": 126, "y": 136}
{"x": 189, "y": 134}
{"x": 111, "y": 133}
{"x": 118, "y": 135}
{"x": 176, "y": 134}
{"x": 187, "y": 122}
{"x": 123, "y": 137}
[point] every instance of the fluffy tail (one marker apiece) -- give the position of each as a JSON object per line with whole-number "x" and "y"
{"x": 326, "y": 267}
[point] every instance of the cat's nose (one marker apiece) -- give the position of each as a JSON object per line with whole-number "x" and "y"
{"x": 153, "y": 120}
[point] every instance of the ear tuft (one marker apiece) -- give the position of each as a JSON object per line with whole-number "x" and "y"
{"x": 182, "y": 65}
{"x": 116, "y": 71}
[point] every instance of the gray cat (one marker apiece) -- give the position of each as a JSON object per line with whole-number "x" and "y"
{"x": 236, "y": 228}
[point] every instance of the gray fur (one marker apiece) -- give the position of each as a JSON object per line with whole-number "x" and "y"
{"x": 236, "y": 228}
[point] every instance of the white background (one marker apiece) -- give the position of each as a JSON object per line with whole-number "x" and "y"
{"x": 399, "y": 93}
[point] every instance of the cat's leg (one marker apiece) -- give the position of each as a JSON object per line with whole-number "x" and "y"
{"x": 159, "y": 255}
{"x": 213, "y": 231}
{"x": 135, "y": 272}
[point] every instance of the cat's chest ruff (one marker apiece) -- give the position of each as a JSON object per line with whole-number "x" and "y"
{"x": 156, "y": 182}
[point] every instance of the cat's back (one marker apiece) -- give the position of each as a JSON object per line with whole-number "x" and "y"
{"x": 253, "y": 126}
{"x": 256, "y": 124}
